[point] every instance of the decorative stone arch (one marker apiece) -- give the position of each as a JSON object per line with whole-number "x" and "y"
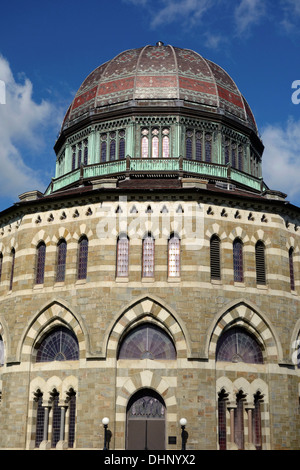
{"x": 40, "y": 236}
{"x": 145, "y": 379}
{"x": 243, "y": 313}
{"x": 259, "y": 235}
{"x": 216, "y": 229}
{"x": 83, "y": 231}
{"x": 53, "y": 314}
{"x": 292, "y": 243}
{"x": 63, "y": 234}
{"x": 239, "y": 232}
{"x": 147, "y": 308}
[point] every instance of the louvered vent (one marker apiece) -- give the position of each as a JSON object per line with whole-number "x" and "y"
{"x": 215, "y": 268}
{"x": 260, "y": 263}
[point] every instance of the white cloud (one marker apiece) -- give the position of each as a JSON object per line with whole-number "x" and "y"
{"x": 22, "y": 123}
{"x": 191, "y": 10}
{"x": 247, "y": 14}
{"x": 281, "y": 159}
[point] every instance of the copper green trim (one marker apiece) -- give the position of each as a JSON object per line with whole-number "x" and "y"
{"x": 138, "y": 165}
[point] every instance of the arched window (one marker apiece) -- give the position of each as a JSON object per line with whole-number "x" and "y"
{"x": 12, "y": 268}
{"x": 56, "y": 419}
{"x": 72, "y": 417}
{"x": 222, "y": 427}
{"x": 121, "y": 145}
{"x": 215, "y": 261}
{"x": 239, "y": 438}
{"x": 165, "y": 144}
{"x": 1, "y": 351}
{"x": 85, "y": 153}
{"x": 148, "y": 256}
{"x": 83, "y": 248}
{"x": 112, "y": 149}
{"x": 155, "y": 146}
{"x": 291, "y": 267}
{"x": 174, "y": 256}
{"x": 256, "y": 421}
{"x": 189, "y": 144}
{"x": 61, "y": 260}
{"x": 60, "y": 344}
{"x": 40, "y": 263}
{"x": 260, "y": 263}
{"x": 40, "y": 419}
{"x": 238, "y": 269}
{"x": 122, "y": 256}
{"x": 237, "y": 345}
{"x": 103, "y": 148}
{"x": 147, "y": 342}
{"x": 208, "y": 147}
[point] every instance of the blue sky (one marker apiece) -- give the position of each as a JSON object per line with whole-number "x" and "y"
{"x": 47, "y": 49}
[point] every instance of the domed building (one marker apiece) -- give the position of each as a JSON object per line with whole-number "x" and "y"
{"x": 157, "y": 278}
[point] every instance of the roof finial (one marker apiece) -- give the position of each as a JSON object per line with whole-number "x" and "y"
{"x": 159, "y": 43}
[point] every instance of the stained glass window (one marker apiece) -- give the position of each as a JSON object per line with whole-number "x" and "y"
{"x": 147, "y": 342}
{"x": 291, "y": 266}
{"x": 256, "y": 425}
{"x": 112, "y": 150}
{"x": 40, "y": 263}
{"x": 122, "y": 256}
{"x": 155, "y": 147}
{"x": 85, "y": 155}
{"x": 208, "y": 139}
{"x": 222, "y": 407}
{"x": 56, "y": 420}
{"x": 239, "y": 421}
{"x": 83, "y": 247}
{"x": 189, "y": 144}
{"x": 61, "y": 261}
{"x": 103, "y": 148}
{"x": 148, "y": 256}
{"x": 166, "y": 146}
{"x": 238, "y": 268}
{"x": 146, "y": 404}
{"x": 260, "y": 263}
{"x": 59, "y": 345}
{"x": 237, "y": 345}
{"x": 12, "y": 268}
{"x": 122, "y": 149}
{"x": 174, "y": 257}
{"x": 198, "y": 146}
{"x": 40, "y": 418}
{"x": 145, "y": 145}
{"x": 72, "y": 418}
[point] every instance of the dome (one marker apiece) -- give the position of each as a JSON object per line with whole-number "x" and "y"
{"x": 159, "y": 75}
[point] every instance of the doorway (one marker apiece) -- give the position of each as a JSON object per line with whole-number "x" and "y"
{"x": 146, "y": 416}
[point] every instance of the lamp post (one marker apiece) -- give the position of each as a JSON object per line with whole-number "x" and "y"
{"x": 183, "y": 422}
{"x": 105, "y": 422}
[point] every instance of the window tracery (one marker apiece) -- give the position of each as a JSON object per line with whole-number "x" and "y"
{"x": 59, "y": 345}
{"x": 147, "y": 342}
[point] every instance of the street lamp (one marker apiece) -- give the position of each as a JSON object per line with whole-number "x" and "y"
{"x": 183, "y": 422}
{"x": 105, "y": 422}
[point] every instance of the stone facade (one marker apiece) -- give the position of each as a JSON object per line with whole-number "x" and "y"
{"x": 192, "y": 308}
{"x": 157, "y": 141}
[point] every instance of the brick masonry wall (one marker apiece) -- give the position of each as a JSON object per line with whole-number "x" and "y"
{"x": 100, "y": 300}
